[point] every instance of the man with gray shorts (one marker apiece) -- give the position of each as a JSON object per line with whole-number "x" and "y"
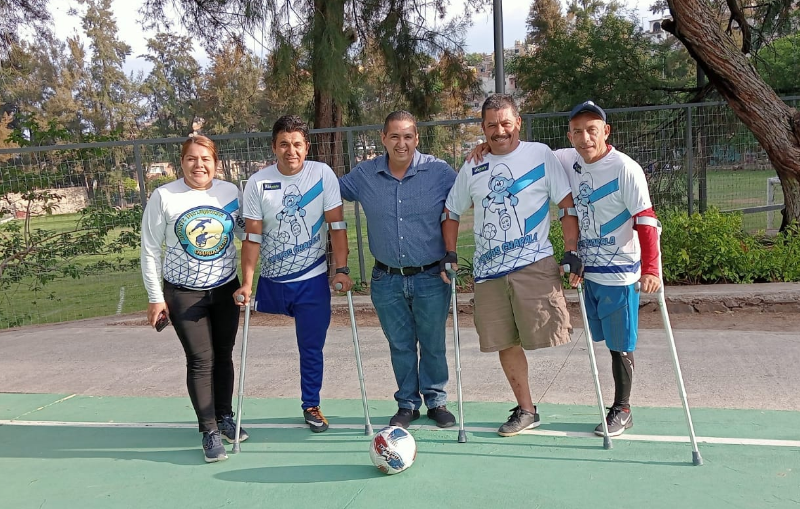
{"x": 519, "y": 302}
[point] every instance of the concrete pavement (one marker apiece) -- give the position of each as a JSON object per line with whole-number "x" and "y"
{"x": 722, "y": 368}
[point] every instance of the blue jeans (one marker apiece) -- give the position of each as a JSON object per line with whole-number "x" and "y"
{"x": 413, "y": 309}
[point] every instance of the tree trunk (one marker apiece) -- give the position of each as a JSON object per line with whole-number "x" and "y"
{"x": 329, "y": 62}
{"x": 775, "y": 125}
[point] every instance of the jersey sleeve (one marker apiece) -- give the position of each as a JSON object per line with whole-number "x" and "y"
{"x": 459, "y": 199}
{"x": 154, "y": 233}
{"x": 251, "y": 205}
{"x": 634, "y": 189}
{"x": 557, "y": 180}
{"x": 331, "y": 195}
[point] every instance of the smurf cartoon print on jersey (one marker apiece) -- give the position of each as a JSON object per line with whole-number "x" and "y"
{"x": 295, "y": 237}
{"x": 511, "y": 195}
{"x": 205, "y": 236}
{"x": 607, "y": 194}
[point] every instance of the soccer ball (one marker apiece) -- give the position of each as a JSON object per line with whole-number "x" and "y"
{"x": 393, "y": 450}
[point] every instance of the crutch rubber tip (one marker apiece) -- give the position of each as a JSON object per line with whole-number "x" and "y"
{"x": 697, "y": 460}
{"x": 236, "y": 449}
{"x": 462, "y": 436}
{"x": 368, "y": 430}
{"x": 607, "y": 443}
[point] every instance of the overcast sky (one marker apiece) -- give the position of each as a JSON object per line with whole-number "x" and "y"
{"x": 480, "y": 38}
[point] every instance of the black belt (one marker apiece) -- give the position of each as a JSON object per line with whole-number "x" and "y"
{"x": 405, "y": 271}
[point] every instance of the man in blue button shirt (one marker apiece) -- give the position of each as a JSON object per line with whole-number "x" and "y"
{"x": 403, "y": 193}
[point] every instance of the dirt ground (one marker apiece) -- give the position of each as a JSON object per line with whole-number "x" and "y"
{"x": 743, "y": 320}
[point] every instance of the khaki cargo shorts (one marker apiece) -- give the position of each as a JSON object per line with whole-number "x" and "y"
{"x": 526, "y": 307}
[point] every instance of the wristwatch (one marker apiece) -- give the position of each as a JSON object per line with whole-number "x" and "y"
{"x": 343, "y": 270}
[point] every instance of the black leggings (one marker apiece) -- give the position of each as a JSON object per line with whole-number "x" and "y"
{"x": 206, "y": 322}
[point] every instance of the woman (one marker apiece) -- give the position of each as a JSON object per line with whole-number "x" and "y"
{"x": 195, "y": 218}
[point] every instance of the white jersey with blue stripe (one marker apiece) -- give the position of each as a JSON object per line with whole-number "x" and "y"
{"x": 607, "y": 194}
{"x": 193, "y": 230}
{"x": 511, "y": 195}
{"x": 292, "y": 210}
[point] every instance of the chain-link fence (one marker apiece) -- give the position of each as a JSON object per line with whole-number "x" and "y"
{"x": 55, "y": 266}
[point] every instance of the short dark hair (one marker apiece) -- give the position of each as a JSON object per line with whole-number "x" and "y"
{"x": 498, "y": 102}
{"x": 397, "y": 116}
{"x": 290, "y": 124}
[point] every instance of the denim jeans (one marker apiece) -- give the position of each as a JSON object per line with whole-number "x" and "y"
{"x": 413, "y": 309}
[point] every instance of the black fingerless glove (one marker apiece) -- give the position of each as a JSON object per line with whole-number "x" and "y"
{"x": 571, "y": 263}
{"x": 451, "y": 257}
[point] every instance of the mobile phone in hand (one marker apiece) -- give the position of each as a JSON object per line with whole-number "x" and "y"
{"x": 162, "y": 321}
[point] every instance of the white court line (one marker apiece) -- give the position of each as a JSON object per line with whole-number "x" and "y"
{"x": 764, "y": 442}
{"x": 48, "y": 405}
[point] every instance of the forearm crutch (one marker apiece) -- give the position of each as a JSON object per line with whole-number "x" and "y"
{"x": 662, "y": 306}
{"x": 462, "y": 434}
{"x": 587, "y": 333}
{"x": 245, "y": 332}
{"x": 367, "y": 423}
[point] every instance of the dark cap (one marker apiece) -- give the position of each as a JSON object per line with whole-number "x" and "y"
{"x": 587, "y": 107}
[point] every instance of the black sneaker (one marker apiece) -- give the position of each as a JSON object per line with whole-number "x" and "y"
{"x": 212, "y": 447}
{"x": 403, "y": 417}
{"x": 227, "y": 428}
{"x": 315, "y": 420}
{"x": 618, "y": 420}
{"x": 519, "y": 421}
{"x": 443, "y": 418}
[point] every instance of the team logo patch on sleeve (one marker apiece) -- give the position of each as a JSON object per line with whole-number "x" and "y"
{"x": 205, "y": 232}
{"x": 577, "y": 167}
{"x": 481, "y": 168}
{"x": 271, "y": 186}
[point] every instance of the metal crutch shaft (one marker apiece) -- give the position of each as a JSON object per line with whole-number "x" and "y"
{"x": 595, "y": 375}
{"x": 462, "y": 434}
{"x": 245, "y": 331}
{"x": 662, "y": 305}
{"x": 354, "y": 329}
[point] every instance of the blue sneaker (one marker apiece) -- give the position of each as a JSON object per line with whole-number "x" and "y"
{"x": 212, "y": 447}
{"x": 227, "y": 428}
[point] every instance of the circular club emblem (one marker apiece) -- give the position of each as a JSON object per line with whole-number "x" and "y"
{"x": 205, "y": 232}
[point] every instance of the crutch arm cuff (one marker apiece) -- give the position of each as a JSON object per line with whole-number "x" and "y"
{"x": 571, "y": 211}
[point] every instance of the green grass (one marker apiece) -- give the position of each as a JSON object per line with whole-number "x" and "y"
{"x": 737, "y": 189}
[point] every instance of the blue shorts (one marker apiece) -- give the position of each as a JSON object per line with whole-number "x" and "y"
{"x": 613, "y": 314}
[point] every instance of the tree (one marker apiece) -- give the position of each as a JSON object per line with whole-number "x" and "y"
{"x": 607, "y": 59}
{"x": 544, "y": 19}
{"x": 775, "y": 125}
{"x": 104, "y": 90}
{"x": 331, "y": 32}
{"x": 230, "y": 90}
{"x": 170, "y": 88}
{"x": 15, "y": 14}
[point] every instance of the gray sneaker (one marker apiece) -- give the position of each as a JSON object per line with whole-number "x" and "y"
{"x": 618, "y": 420}
{"x": 227, "y": 428}
{"x": 212, "y": 447}
{"x": 519, "y": 421}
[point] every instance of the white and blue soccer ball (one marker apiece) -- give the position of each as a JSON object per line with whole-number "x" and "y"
{"x": 393, "y": 449}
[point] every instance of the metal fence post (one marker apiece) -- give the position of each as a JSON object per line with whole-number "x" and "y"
{"x": 359, "y": 242}
{"x": 137, "y": 156}
{"x": 529, "y": 129}
{"x": 689, "y": 159}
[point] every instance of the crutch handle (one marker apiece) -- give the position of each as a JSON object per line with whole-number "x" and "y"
{"x": 338, "y": 287}
{"x": 240, "y": 298}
